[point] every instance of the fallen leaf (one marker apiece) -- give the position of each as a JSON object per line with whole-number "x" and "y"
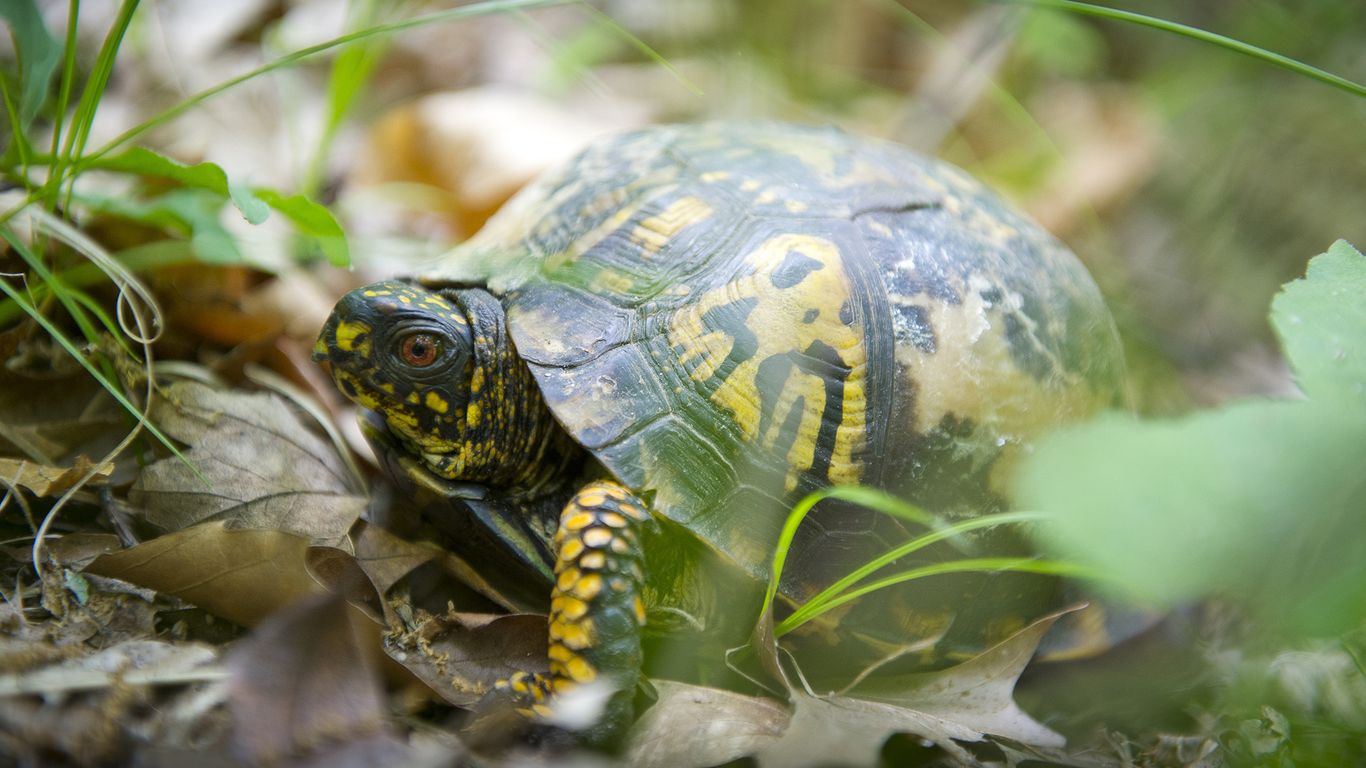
{"x": 721, "y": 726}
{"x": 380, "y": 560}
{"x": 460, "y": 656}
{"x": 241, "y": 575}
{"x": 304, "y": 686}
{"x": 47, "y": 480}
{"x": 264, "y": 468}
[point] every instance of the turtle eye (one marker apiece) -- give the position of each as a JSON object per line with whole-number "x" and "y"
{"x": 420, "y": 349}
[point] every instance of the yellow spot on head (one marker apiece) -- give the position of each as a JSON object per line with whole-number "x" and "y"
{"x": 347, "y": 333}
{"x": 437, "y": 402}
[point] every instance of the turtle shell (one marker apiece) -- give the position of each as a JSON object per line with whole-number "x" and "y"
{"x": 731, "y": 315}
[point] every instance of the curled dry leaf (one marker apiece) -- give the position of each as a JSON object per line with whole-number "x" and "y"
{"x": 380, "y": 560}
{"x": 264, "y": 468}
{"x": 241, "y": 575}
{"x": 461, "y": 655}
{"x": 47, "y": 480}
{"x": 304, "y": 690}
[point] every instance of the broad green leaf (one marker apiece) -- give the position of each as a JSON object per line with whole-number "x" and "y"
{"x": 144, "y": 162}
{"x": 312, "y": 220}
{"x": 1261, "y": 501}
{"x": 1321, "y": 321}
{"x": 253, "y": 208}
{"x": 193, "y": 212}
{"x": 38, "y": 54}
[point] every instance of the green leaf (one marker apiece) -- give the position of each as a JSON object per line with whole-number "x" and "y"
{"x": 144, "y": 162}
{"x": 193, "y": 212}
{"x": 312, "y": 220}
{"x": 253, "y": 208}
{"x": 1261, "y": 501}
{"x": 1321, "y": 321}
{"x": 38, "y": 54}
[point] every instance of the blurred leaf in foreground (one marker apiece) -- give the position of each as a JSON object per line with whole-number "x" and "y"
{"x": 1260, "y": 501}
{"x": 304, "y": 690}
{"x": 266, "y": 470}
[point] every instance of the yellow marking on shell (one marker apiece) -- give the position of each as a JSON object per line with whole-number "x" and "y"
{"x": 580, "y": 671}
{"x": 438, "y": 403}
{"x": 347, "y": 332}
{"x": 711, "y": 177}
{"x": 571, "y": 550}
{"x": 654, "y": 232}
{"x": 588, "y": 587}
{"x": 567, "y": 578}
{"x": 597, "y": 537}
{"x": 574, "y": 608}
{"x": 766, "y": 197}
{"x": 973, "y": 374}
{"x": 593, "y": 561}
{"x": 577, "y": 520}
{"x": 776, "y": 322}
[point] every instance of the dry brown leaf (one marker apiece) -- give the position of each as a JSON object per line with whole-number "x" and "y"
{"x": 264, "y": 468}
{"x": 460, "y": 656}
{"x": 967, "y": 702}
{"x": 241, "y": 575}
{"x": 47, "y": 480}
{"x": 303, "y": 688}
{"x": 692, "y": 725}
{"x": 381, "y": 559}
{"x": 53, "y": 418}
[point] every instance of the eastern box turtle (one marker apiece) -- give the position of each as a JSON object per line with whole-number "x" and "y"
{"x": 622, "y": 384}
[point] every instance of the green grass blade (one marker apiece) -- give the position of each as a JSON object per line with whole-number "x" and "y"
{"x": 1228, "y": 43}
{"x": 79, "y": 131}
{"x": 644, "y": 48}
{"x": 857, "y": 494}
{"x": 455, "y": 14}
{"x": 815, "y": 605}
{"x": 990, "y": 564}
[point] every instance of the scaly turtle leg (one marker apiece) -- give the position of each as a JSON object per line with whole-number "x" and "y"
{"x": 596, "y": 612}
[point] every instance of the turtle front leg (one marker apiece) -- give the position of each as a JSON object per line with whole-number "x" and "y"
{"x": 596, "y": 614}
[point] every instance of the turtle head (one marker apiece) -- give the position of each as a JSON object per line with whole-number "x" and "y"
{"x": 404, "y": 353}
